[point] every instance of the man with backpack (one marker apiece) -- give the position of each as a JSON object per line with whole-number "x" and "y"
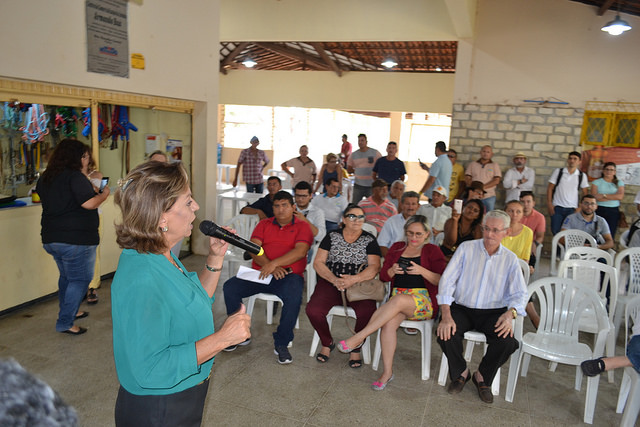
{"x": 563, "y": 191}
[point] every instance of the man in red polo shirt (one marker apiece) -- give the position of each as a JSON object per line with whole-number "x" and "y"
{"x": 286, "y": 241}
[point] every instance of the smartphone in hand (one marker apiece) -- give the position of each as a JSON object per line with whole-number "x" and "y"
{"x": 423, "y": 165}
{"x": 103, "y": 183}
{"x": 457, "y": 205}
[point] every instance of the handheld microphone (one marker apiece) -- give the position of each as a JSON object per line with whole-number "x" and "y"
{"x": 212, "y": 229}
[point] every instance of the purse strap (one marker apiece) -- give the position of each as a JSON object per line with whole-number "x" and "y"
{"x": 343, "y": 293}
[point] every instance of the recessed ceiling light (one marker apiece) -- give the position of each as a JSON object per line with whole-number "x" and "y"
{"x": 389, "y": 63}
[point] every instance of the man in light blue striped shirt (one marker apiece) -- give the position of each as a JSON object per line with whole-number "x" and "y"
{"x": 481, "y": 289}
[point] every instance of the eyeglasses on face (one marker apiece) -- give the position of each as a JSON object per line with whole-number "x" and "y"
{"x": 492, "y": 230}
{"x": 417, "y": 234}
{"x": 354, "y": 218}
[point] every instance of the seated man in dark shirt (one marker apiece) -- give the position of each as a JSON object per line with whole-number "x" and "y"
{"x": 263, "y": 207}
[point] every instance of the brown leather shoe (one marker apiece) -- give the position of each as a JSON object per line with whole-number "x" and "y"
{"x": 484, "y": 391}
{"x": 457, "y": 385}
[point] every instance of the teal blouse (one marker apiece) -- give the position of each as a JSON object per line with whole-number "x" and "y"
{"x": 158, "y": 315}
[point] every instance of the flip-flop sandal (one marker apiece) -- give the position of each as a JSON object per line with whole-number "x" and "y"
{"x": 355, "y": 364}
{"x": 322, "y": 358}
{"x": 92, "y": 297}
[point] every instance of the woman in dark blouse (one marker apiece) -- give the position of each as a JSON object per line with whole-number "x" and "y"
{"x": 462, "y": 227}
{"x": 340, "y": 256}
{"x": 414, "y": 267}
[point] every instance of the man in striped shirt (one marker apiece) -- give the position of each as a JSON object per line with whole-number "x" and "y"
{"x": 377, "y": 208}
{"x": 481, "y": 289}
{"x": 361, "y": 163}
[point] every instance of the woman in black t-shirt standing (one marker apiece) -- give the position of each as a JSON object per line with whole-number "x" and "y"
{"x": 70, "y": 227}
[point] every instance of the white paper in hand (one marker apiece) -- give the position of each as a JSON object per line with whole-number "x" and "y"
{"x": 252, "y": 275}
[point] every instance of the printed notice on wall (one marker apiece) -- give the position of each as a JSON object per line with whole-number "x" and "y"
{"x": 107, "y": 37}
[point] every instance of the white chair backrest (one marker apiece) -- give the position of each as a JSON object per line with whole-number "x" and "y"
{"x": 524, "y": 266}
{"x": 370, "y": 228}
{"x": 572, "y": 238}
{"x": 596, "y": 276}
{"x": 631, "y": 315}
{"x": 588, "y": 253}
{"x": 624, "y": 239}
{"x": 632, "y": 256}
{"x": 244, "y": 224}
{"x": 562, "y": 303}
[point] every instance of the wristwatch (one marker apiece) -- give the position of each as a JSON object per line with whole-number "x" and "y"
{"x": 514, "y": 313}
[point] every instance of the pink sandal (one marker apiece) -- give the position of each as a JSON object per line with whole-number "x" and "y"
{"x": 344, "y": 348}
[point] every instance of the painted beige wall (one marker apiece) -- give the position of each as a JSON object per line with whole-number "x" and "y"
{"x": 353, "y": 91}
{"x": 528, "y": 49}
{"x": 338, "y": 20}
{"x": 53, "y": 49}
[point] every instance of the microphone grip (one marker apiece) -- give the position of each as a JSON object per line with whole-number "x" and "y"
{"x": 211, "y": 229}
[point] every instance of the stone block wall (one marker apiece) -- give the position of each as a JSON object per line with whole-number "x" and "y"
{"x": 544, "y": 134}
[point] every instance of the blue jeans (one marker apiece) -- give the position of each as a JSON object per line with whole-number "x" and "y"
{"x": 255, "y": 188}
{"x": 75, "y": 263}
{"x": 330, "y": 226}
{"x": 359, "y": 193}
{"x": 288, "y": 289}
{"x": 489, "y": 203}
{"x": 558, "y": 218}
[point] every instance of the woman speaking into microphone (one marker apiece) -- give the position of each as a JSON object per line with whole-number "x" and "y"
{"x": 163, "y": 334}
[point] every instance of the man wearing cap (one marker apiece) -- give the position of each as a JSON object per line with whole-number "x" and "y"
{"x": 361, "y": 164}
{"x": 436, "y": 211}
{"x": 486, "y": 171}
{"x": 253, "y": 162}
{"x": 377, "y": 207}
{"x": 518, "y": 178}
{"x": 440, "y": 172}
{"x": 393, "y": 229}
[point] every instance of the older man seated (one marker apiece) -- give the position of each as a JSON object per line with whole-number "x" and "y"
{"x": 481, "y": 289}
{"x": 395, "y": 193}
{"x": 332, "y": 203}
{"x": 377, "y": 208}
{"x": 393, "y": 230}
{"x": 587, "y": 220}
{"x": 263, "y": 207}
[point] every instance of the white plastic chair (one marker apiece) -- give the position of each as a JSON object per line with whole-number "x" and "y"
{"x": 474, "y": 337}
{"x": 244, "y": 225}
{"x": 270, "y": 299}
{"x": 562, "y": 303}
{"x": 572, "y": 238}
{"x": 628, "y": 267}
{"x": 370, "y": 228}
{"x": 624, "y": 240}
{"x": 338, "y": 310}
{"x": 629, "y": 396}
{"x": 589, "y": 254}
{"x": 536, "y": 270}
{"x": 425, "y": 327}
{"x": 603, "y": 279}
{"x": 310, "y": 272}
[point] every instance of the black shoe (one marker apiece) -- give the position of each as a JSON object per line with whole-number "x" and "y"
{"x": 233, "y": 347}
{"x": 484, "y": 391}
{"x": 283, "y": 354}
{"x": 457, "y": 385}
{"x": 594, "y": 367}
{"x": 78, "y": 332}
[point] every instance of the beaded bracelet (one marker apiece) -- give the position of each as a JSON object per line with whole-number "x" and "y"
{"x": 212, "y": 269}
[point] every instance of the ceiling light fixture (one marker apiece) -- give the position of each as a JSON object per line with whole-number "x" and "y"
{"x": 249, "y": 63}
{"x": 617, "y": 26}
{"x": 389, "y": 63}
{"x": 438, "y": 69}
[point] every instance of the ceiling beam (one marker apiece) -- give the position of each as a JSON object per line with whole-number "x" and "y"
{"x": 294, "y": 54}
{"x": 323, "y": 54}
{"x": 228, "y": 60}
{"x": 463, "y": 16}
{"x": 605, "y": 6}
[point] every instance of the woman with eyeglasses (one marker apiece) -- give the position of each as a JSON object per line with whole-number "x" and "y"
{"x": 413, "y": 266}
{"x": 462, "y": 226}
{"x": 608, "y": 191}
{"x": 331, "y": 169}
{"x": 345, "y": 257}
{"x": 70, "y": 227}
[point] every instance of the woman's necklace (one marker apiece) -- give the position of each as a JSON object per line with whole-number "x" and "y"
{"x": 177, "y": 266}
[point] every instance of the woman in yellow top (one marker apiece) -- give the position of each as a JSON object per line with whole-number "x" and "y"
{"x": 519, "y": 242}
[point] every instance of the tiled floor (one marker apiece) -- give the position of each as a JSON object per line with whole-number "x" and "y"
{"x": 248, "y": 386}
